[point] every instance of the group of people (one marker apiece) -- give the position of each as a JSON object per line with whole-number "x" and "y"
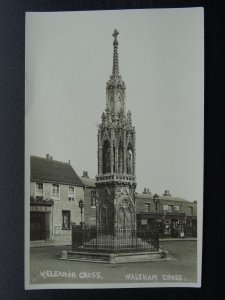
{"x": 178, "y": 229}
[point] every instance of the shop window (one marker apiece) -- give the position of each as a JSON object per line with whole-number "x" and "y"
{"x": 55, "y": 191}
{"x": 65, "y": 219}
{"x": 71, "y": 193}
{"x": 144, "y": 222}
{"x": 39, "y": 189}
{"x": 147, "y": 207}
{"x": 93, "y": 198}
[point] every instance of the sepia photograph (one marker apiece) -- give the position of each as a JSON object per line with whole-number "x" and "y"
{"x": 114, "y": 136}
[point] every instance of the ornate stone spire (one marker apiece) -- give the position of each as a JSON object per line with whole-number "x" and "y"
{"x": 115, "y": 87}
{"x": 115, "y": 71}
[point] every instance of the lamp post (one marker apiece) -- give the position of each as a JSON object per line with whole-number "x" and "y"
{"x": 81, "y": 205}
{"x": 156, "y": 202}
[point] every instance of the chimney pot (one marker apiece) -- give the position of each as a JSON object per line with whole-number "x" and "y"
{"x": 85, "y": 174}
{"x": 167, "y": 193}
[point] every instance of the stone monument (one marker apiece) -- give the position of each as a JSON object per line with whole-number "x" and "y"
{"x": 115, "y": 237}
{"x": 116, "y": 181}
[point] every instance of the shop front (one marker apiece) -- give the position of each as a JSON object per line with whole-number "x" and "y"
{"x": 191, "y": 226}
{"x": 40, "y": 221}
{"x": 170, "y": 225}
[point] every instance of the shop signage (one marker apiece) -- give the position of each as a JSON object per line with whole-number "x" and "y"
{"x": 40, "y": 208}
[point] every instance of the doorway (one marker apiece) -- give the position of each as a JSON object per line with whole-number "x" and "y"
{"x": 37, "y": 226}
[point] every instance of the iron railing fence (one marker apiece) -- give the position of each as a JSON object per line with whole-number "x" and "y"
{"x": 114, "y": 240}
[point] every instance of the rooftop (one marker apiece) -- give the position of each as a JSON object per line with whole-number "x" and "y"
{"x": 49, "y": 170}
{"x": 161, "y": 197}
{"x": 89, "y": 182}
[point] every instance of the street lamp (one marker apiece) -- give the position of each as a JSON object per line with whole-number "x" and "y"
{"x": 156, "y": 202}
{"x": 81, "y": 205}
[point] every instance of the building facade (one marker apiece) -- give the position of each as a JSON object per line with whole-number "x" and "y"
{"x": 55, "y": 192}
{"x": 89, "y": 199}
{"x": 116, "y": 181}
{"x": 172, "y": 214}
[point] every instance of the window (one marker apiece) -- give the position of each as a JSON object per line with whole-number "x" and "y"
{"x": 66, "y": 219}
{"x": 170, "y": 208}
{"x": 165, "y": 207}
{"x": 39, "y": 189}
{"x": 93, "y": 198}
{"x": 176, "y": 207}
{"x": 147, "y": 207}
{"x": 190, "y": 210}
{"x": 55, "y": 191}
{"x": 71, "y": 193}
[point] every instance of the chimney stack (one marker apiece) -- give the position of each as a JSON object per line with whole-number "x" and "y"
{"x": 146, "y": 191}
{"x": 85, "y": 174}
{"x": 47, "y": 156}
{"x": 167, "y": 193}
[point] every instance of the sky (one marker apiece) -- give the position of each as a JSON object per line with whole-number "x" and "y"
{"x": 69, "y": 59}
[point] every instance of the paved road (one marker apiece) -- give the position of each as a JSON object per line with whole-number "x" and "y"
{"x": 45, "y": 267}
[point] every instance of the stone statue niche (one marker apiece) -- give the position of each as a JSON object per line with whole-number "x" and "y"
{"x": 129, "y": 160}
{"x": 120, "y": 158}
{"x": 106, "y": 157}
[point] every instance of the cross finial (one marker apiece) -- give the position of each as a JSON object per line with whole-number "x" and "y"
{"x": 115, "y": 33}
{"x": 115, "y": 71}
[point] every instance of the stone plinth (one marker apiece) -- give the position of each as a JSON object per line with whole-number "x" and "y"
{"x": 115, "y": 258}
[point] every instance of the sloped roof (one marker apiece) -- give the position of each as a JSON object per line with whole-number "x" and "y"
{"x": 88, "y": 181}
{"x": 53, "y": 171}
{"x": 169, "y": 198}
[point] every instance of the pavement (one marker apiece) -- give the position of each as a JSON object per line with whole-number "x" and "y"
{"x": 177, "y": 239}
{"x": 48, "y": 244}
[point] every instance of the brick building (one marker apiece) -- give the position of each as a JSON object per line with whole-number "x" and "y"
{"x": 55, "y": 191}
{"x": 172, "y": 214}
{"x": 89, "y": 199}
